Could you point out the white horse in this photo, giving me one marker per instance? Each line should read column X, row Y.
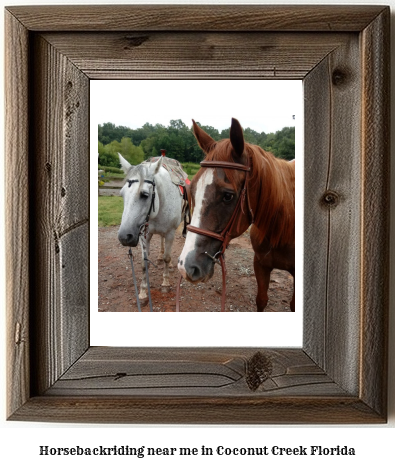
column 149, row 190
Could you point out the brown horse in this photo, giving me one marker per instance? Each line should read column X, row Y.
column 228, row 198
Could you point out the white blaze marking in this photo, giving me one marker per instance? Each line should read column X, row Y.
column 206, row 179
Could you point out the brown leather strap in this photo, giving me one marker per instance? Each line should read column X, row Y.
column 223, row 296
column 228, row 165
column 178, row 295
column 207, row 233
column 224, row 236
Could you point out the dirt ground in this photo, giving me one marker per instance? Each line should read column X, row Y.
column 117, row 293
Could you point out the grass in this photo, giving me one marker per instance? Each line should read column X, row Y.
column 114, row 176
column 191, row 169
column 110, row 210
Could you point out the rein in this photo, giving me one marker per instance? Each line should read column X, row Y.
column 225, row 235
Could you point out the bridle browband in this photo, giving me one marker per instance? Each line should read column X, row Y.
column 225, row 235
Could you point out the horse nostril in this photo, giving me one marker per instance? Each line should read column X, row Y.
column 195, row 273
column 127, row 239
column 196, row 268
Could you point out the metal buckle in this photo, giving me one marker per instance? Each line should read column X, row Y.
column 214, row 258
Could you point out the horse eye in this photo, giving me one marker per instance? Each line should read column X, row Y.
column 227, row 197
column 144, row 194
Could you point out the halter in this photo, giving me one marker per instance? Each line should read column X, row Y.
column 225, row 235
column 142, row 240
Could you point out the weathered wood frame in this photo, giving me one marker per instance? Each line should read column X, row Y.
column 340, row 374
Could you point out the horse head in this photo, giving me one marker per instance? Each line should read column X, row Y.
column 217, row 192
column 138, row 196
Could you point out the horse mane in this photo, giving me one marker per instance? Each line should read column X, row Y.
column 271, row 190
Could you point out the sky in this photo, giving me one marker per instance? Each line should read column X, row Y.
column 263, row 105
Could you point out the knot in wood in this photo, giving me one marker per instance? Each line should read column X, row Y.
column 330, row 198
column 135, row 41
column 259, row 369
column 340, row 77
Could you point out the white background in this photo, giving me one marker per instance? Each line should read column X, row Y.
column 19, row 442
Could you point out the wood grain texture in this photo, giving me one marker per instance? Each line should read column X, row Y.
column 344, row 254
column 339, row 376
column 317, row 149
column 126, row 385
column 376, row 211
column 198, row 410
column 210, row 372
column 196, row 17
column 61, row 206
column 74, row 293
column 332, row 205
column 17, row 213
column 204, row 55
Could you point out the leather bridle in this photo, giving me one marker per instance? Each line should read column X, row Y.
column 143, row 232
column 152, row 205
column 225, row 235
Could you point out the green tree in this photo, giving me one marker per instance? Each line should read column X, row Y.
column 107, row 156
column 281, row 143
column 179, row 142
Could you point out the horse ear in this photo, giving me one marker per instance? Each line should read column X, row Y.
column 204, row 140
column 155, row 166
column 125, row 165
column 236, row 137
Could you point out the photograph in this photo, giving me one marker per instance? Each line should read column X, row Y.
column 184, row 185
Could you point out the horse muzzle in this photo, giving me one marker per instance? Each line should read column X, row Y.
column 128, row 239
column 196, row 268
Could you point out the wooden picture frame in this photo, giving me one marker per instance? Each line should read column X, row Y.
column 340, row 374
